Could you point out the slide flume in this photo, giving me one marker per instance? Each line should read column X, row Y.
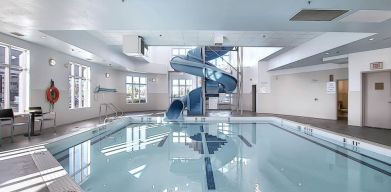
column 217, row 80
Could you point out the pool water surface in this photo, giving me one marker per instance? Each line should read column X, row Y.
column 227, row 157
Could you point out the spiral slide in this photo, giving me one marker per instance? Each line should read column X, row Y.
column 217, row 81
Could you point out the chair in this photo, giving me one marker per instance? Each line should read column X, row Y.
column 42, row 117
column 7, row 118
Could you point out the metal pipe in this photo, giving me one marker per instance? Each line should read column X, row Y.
column 203, row 84
column 241, row 78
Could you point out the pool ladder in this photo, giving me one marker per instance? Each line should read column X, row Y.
column 114, row 109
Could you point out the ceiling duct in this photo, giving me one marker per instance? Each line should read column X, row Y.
column 317, row 15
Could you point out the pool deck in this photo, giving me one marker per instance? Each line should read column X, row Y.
column 20, row 170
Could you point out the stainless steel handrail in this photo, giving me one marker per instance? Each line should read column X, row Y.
column 113, row 108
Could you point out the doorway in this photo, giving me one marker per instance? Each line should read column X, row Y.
column 342, row 99
column 377, row 99
column 254, row 98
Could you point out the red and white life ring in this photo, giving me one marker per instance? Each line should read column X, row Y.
column 52, row 94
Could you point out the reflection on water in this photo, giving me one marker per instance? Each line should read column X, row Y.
column 153, row 157
column 80, row 162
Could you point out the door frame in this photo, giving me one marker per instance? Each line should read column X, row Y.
column 363, row 91
column 336, row 97
column 254, row 98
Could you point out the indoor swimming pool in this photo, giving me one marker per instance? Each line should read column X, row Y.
column 260, row 157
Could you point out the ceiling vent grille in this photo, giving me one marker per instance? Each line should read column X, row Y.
column 17, row 34
column 317, row 15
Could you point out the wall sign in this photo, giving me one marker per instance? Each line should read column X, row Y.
column 376, row 65
column 331, row 87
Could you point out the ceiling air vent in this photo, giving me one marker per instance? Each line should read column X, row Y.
column 17, row 34
column 317, row 15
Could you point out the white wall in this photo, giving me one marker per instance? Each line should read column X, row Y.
column 358, row 64
column 157, row 93
column 41, row 73
column 293, row 92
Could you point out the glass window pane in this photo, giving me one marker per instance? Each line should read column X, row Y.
column 143, row 80
column 2, row 89
column 189, row 82
column 70, row 69
column 136, row 94
column 129, row 79
column 84, row 93
column 188, row 89
column 15, row 99
column 76, row 92
column 84, row 72
column 182, row 82
column 182, row 91
column 143, row 93
column 175, row 82
column 2, row 54
column 16, row 57
column 70, row 92
column 76, row 70
column 175, row 92
column 129, row 93
column 175, row 52
column 136, row 79
column 182, row 51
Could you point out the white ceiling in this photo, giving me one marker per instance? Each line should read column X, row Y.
column 191, row 22
column 368, row 16
column 194, row 38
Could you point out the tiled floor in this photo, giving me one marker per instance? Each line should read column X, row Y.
column 377, row 135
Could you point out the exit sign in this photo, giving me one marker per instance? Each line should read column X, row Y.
column 376, row 65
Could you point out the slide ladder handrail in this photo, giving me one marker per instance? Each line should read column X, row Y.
column 228, row 63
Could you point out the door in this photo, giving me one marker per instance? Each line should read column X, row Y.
column 342, row 99
column 377, row 100
column 254, row 98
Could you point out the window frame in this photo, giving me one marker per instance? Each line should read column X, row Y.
column 24, row 77
column 187, row 87
column 79, row 77
column 184, row 51
column 134, row 84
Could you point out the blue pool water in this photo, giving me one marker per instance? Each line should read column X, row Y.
column 225, row 157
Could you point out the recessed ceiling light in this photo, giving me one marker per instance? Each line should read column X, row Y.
column 327, row 53
column 43, row 37
column 371, row 39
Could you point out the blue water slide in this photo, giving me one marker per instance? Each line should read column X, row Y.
column 217, row 80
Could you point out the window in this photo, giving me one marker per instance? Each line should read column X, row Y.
column 80, row 161
column 79, row 86
column 180, row 88
column 180, row 51
column 136, row 89
column 14, row 63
